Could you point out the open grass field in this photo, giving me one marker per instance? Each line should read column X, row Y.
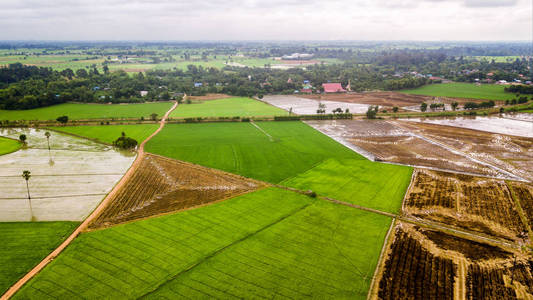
column 228, row 107
column 271, row 152
column 79, row 111
column 24, row 244
column 366, row 183
column 109, row 133
column 9, row 145
column 270, row 243
column 463, row 90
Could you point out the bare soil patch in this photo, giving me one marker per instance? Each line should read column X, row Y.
column 511, row 153
column 388, row 99
column 428, row 264
column 479, row 204
column 208, row 97
column 161, row 185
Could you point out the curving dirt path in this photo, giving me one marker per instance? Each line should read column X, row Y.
column 140, row 155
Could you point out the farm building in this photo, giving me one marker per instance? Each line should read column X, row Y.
column 333, row 88
column 143, row 93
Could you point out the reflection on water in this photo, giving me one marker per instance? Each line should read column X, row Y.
column 496, row 124
column 68, row 181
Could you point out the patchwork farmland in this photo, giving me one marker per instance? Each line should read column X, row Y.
column 270, row 209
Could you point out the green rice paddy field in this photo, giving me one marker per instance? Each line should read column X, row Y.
column 267, row 244
column 109, row 133
column 228, row 107
column 25, row 244
column 366, row 183
column 462, row 90
column 79, row 111
column 272, row 151
column 8, row 145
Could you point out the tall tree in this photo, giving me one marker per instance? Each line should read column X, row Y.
column 26, row 175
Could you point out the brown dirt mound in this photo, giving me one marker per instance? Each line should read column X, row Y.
column 208, row 97
column 162, row 185
column 470, row 249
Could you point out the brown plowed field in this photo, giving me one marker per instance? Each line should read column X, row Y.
column 208, row 97
column 480, row 204
column 389, row 99
column 162, row 185
column 412, row 272
column 524, row 194
column 511, row 153
column 428, row 264
column 414, row 151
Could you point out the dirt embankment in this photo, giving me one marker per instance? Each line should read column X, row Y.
column 208, row 97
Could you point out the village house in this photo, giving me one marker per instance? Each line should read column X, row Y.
column 333, row 88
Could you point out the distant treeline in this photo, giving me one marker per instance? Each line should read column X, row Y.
column 520, row 89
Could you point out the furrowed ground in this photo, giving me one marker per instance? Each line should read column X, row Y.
column 25, row 244
column 463, row 90
column 78, row 111
column 272, row 151
column 109, row 133
column 162, row 185
column 271, row 243
column 9, row 145
column 369, row 184
column 227, row 107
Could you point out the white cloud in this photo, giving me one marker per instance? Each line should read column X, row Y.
column 276, row 19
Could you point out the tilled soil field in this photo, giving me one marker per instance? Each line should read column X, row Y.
column 511, row 153
column 479, row 204
column 426, row 264
column 163, row 185
column 524, row 194
column 384, row 141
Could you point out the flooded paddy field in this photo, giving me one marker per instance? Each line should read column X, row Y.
column 508, row 152
column 385, row 141
column 496, row 124
column 304, row 106
column 67, row 182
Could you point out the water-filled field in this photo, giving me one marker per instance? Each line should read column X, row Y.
column 67, row 182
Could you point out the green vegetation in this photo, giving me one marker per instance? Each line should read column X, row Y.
column 77, row 111
column 24, row 244
column 229, row 107
column 9, row 145
column 272, row 151
column 366, row 183
column 109, row 133
column 266, row 244
column 463, row 90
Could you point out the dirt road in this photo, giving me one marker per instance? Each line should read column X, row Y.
column 140, row 155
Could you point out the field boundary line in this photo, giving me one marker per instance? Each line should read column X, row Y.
column 103, row 204
column 60, row 196
column 216, row 252
column 374, row 285
column 414, row 173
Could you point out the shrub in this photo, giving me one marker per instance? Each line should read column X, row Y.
column 125, row 142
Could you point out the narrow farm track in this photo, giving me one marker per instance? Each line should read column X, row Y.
column 140, row 156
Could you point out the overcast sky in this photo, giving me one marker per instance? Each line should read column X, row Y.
column 265, row 20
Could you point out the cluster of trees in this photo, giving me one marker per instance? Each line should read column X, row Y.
column 125, row 142
column 520, row 89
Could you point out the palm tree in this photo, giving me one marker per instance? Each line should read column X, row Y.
column 47, row 135
column 26, row 175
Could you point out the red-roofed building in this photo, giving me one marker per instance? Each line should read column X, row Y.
column 333, row 88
